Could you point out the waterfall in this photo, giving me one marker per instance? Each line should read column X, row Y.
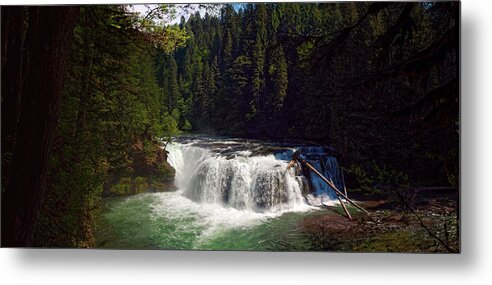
column 327, row 165
column 227, row 173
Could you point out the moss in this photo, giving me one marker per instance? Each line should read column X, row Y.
column 161, row 187
column 140, row 185
column 149, row 171
column 399, row 241
column 122, row 187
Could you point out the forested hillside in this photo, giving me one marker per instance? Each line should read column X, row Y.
column 376, row 81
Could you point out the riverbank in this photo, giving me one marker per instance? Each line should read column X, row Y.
column 391, row 226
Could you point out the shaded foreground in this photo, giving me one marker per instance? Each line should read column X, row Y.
column 391, row 226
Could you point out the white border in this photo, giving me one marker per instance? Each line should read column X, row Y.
column 472, row 266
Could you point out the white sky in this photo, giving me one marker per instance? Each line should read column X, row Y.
column 144, row 8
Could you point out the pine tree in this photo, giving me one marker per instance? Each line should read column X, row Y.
column 199, row 95
column 258, row 76
column 277, row 72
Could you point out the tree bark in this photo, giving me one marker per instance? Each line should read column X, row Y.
column 12, row 41
column 88, row 56
column 46, row 50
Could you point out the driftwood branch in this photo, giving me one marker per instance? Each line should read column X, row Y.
column 291, row 163
column 344, row 186
column 338, row 192
column 344, row 207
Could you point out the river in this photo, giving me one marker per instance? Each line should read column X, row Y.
column 233, row 194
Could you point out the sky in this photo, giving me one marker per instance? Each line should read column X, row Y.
column 144, row 8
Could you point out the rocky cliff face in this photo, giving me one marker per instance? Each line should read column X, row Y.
column 148, row 171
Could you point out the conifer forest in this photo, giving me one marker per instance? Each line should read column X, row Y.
column 330, row 126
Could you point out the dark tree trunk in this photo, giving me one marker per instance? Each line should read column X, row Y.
column 87, row 70
column 46, row 50
column 12, row 41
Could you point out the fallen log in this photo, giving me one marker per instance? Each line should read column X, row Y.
column 342, row 203
column 344, row 187
column 344, row 207
column 291, row 163
column 338, row 192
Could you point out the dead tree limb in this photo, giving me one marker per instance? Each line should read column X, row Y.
column 297, row 158
column 344, row 207
column 343, row 180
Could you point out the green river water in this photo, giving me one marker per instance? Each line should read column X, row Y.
column 171, row 221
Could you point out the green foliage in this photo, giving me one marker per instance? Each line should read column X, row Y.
column 277, row 72
column 110, row 122
column 128, row 185
column 140, row 184
column 123, row 187
column 376, row 81
column 171, row 38
column 363, row 179
column 170, row 125
column 389, row 176
column 373, row 177
column 187, row 126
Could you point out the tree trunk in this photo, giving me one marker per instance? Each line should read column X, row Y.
column 88, row 56
column 12, row 41
column 46, row 50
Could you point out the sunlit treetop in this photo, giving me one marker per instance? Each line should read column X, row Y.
column 158, row 22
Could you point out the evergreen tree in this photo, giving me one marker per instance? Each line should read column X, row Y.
column 174, row 99
column 199, row 95
column 259, row 50
column 277, row 72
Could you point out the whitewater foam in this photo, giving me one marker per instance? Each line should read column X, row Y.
column 238, row 180
column 204, row 220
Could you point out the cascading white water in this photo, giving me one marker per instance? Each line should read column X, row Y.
column 237, row 180
column 317, row 156
column 232, row 194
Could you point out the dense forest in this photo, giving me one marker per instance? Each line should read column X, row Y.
column 90, row 93
column 377, row 82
